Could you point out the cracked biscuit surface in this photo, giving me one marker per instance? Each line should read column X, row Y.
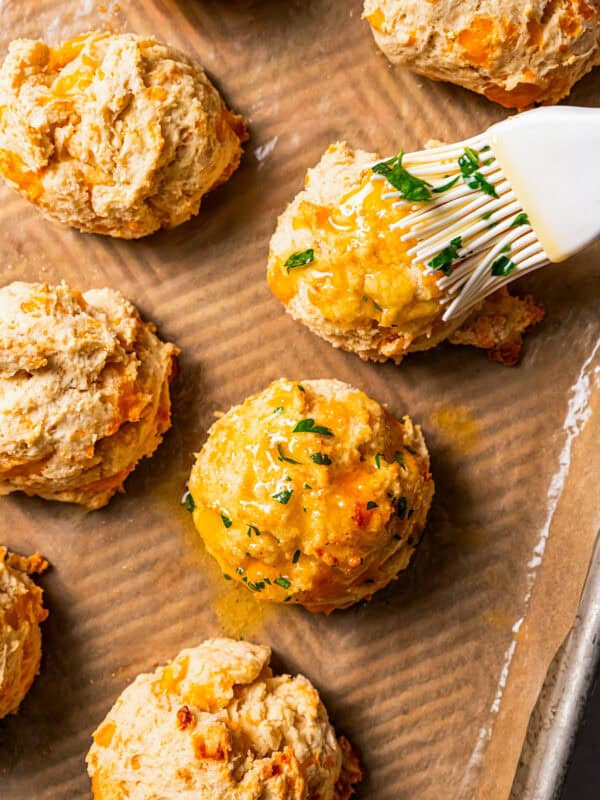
column 84, row 391
column 216, row 724
column 21, row 612
column 113, row 133
column 515, row 53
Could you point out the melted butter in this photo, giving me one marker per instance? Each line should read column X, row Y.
column 361, row 269
column 457, row 427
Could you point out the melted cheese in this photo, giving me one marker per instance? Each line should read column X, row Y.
column 361, row 270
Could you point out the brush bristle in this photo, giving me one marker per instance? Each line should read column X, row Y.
column 466, row 224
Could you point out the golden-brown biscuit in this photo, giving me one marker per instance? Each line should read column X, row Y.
column 514, row 53
column 113, row 133
column 338, row 268
column 21, row 611
column 215, row 724
column 84, row 391
column 312, row 493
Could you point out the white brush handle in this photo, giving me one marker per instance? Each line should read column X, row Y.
column 551, row 158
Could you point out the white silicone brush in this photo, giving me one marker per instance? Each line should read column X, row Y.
column 492, row 208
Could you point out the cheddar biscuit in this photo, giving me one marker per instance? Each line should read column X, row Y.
column 312, row 493
column 215, row 724
column 84, row 392
column 514, row 53
column 338, row 268
column 113, row 133
column 21, row 611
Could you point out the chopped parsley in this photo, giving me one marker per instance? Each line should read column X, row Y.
column 287, row 599
column 278, row 410
column 283, row 582
column 300, row 259
column 283, row 457
column 487, row 215
column 256, row 587
column 469, row 165
column 371, row 504
column 301, row 388
column 505, row 249
column 446, row 186
column 378, row 457
column 446, row 257
column 321, row 458
column 409, row 186
column 308, row 426
column 188, row 502
column 367, row 299
column 401, row 507
column 503, row 266
column 307, row 486
column 252, row 528
column 283, row 497
column 239, row 570
column 226, row 521
column 226, row 576
column 520, row 219
column 295, row 557
column 411, row 450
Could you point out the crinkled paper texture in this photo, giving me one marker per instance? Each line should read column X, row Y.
column 435, row 679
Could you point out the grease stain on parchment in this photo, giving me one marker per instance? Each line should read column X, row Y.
column 456, row 426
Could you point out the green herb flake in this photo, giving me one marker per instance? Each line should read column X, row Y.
column 300, row 259
column 253, row 529
column 446, row 186
column 227, row 577
column 239, row 570
column 301, row 388
column 401, row 507
column 187, row 501
column 278, row 410
column 469, row 164
column 283, row 582
column 446, row 257
column 321, row 458
column 487, row 215
column 287, row 599
column 503, row 266
column 283, row 497
column 485, row 149
column 308, row 426
column 378, row 457
column 226, row 521
column 411, row 450
column 283, row 457
column 307, row 486
column 410, row 187
column 371, row 504
column 295, row 557
column 520, row 219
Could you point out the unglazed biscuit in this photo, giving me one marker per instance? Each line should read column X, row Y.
column 113, row 133
column 312, row 493
column 84, row 391
column 21, row 611
column 215, row 724
column 360, row 290
column 515, row 53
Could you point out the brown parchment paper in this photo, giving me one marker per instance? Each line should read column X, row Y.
column 435, row 679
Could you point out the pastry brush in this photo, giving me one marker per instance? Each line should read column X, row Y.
column 492, row 208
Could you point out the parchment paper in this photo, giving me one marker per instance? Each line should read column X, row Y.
column 435, row 679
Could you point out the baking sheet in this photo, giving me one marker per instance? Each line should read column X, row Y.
column 435, row 679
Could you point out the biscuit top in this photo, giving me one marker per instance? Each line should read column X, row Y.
column 113, row 133
column 360, row 273
column 214, row 724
